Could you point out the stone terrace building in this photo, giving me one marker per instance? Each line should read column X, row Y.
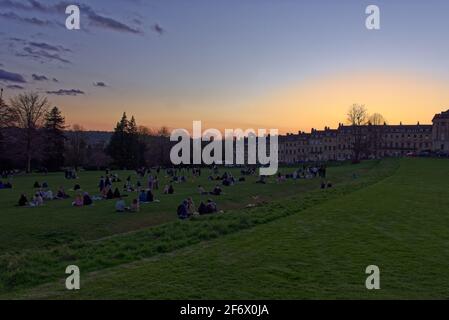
column 380, row 141
column 440, row 132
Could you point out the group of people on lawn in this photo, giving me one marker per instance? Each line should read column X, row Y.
column 187, row 208
column 42, row 194
column 145, row 195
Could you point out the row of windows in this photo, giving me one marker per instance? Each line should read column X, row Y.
column 315, row 142
column 408, row 145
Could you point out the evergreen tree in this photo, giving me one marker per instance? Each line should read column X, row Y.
column 123, row 147
column 116, row 147
column 134, row 158
column 55, row 139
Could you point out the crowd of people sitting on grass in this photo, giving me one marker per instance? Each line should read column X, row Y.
column 41, row 195
column 187, row 208
column 145, row 193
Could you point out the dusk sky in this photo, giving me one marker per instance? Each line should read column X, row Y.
column 285, row 64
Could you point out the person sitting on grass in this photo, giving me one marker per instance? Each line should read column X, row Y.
column 135, row 206
column 36, row 185
column 61, row 194
column 150, row 196
column 217, row 191
column 109, row 194
column 23, row 201
column 329, row 184
column 120, row 205
column 44, row 185
column 211, row 207
column 78, row 201
column 201, row 190
column 202, row 208
column 76, row 187
column 323, row 185
column 48, row 195
column 117, row 193
column 182, row 210
column 226, row 182
column 143, row 196
column 169, row 189
column 87, row 200
column 190, row 207
column 38, row 200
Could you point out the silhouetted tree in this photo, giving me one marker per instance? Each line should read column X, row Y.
column 29, row 110
column 76, row 147
column 376, row 119
column 7, row 116
column 376, row 137
column 124, row 147
column 55, row 139
column 357, row 117
column 7, row 120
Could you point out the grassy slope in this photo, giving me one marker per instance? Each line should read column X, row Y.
column 60, row 223
column 314, row 250
column 400, row 224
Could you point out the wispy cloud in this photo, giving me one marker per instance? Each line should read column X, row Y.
column 15, row 87
column 41, row 55
column 64, row 92
column 94, row 18
column 48, row 47
column 37, row 77
column 158, row 29
column 11, row 77
column 107, row 22
column 34, row 21
column 100, row 84
column 29, row 5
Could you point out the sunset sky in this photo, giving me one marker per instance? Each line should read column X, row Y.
column 285, row 64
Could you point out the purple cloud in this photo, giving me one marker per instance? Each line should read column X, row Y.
column 11, row 77
column 93, row 17
column 100, row 84
column 35, row 21
column 158, row 29
column 63, row 92
column 41, row 55
column 15, row 87
column 39, row 78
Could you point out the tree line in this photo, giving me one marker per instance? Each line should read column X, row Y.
column 34, row 136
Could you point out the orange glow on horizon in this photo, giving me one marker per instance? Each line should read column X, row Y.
column 314, row 103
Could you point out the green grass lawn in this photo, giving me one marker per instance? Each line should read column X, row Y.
column 301, row 242
column 60, row 223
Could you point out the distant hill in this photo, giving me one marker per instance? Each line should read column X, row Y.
column 94, row 137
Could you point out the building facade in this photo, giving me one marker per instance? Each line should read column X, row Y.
column 372, row 141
